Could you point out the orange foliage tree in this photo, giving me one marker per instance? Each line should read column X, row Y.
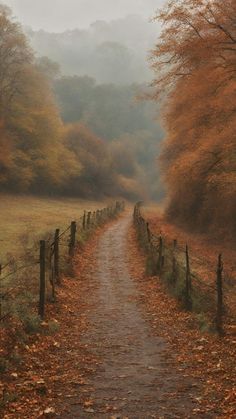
column 33, row 156
column 38, row 154
column 195, row 64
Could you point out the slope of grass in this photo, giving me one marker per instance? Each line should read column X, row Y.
column 33, row 216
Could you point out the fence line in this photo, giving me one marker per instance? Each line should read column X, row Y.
column 50, row 257
column 172, row 263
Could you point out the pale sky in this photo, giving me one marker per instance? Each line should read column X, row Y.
column 59, row 15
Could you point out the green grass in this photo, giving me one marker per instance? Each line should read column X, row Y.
column 34, row 217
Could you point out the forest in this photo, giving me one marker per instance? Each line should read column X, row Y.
column 194, row 61
column 46, row 115
column 56, row 125
column 117, row 209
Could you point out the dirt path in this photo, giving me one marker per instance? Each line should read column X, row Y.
column 136, row 378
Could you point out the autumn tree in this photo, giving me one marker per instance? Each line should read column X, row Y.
column 33, row 156
column 97, row 176
column 195, row 65
column 15, row 55
column 127, row 125
column 39, row 153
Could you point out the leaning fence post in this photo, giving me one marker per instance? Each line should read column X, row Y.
column 56, row 256
column 219, row 313
column 188, row 284
column 72, row 238
column 42, row 286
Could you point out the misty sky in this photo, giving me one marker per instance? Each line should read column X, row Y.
column 59, row 15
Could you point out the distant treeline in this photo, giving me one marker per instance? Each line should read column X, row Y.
column 68, row 135
column 110, row 52
column 195, row 62
column 127, row 125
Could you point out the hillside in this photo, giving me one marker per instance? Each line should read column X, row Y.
column 102, row 51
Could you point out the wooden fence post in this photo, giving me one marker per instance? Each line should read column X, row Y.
column 219, row 313
column 88, row 219
column 142, row 232
column 148, row 233
column 42, row 286
column 72, row 238
column 188, row 284
column 52, row 273
column 94, row 218
column 84, row 220
column 56, row 256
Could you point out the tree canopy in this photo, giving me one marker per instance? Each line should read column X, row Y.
column 31, row 128
column 56, row 133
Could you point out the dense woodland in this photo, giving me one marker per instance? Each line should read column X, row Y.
column 85, row 293
column 67, row 134
column 195, row 62
column 126, row 125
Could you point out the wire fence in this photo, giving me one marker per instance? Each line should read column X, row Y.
column 211, row 293
column 29, row 282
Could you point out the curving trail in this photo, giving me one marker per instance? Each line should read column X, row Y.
column 136, row 378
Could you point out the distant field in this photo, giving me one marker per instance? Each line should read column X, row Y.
column 153, row 208
column 20, row 215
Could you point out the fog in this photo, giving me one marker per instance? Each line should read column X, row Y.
column 107, row 51
column 90, row 37
column 94, row 54
column 60, row 15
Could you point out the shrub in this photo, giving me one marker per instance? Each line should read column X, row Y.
column 31, row 323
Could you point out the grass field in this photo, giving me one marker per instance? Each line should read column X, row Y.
column 25, row 215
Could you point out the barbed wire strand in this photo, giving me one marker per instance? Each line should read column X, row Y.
column 19, row 269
